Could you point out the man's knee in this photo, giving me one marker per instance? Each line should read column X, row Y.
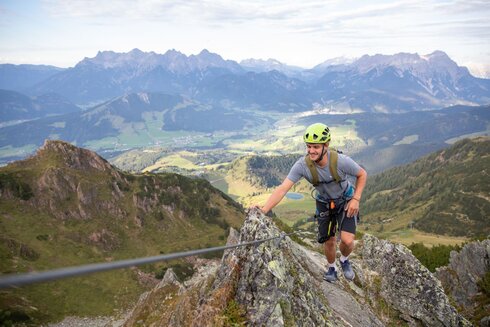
column 347, row 238
column 330, row 242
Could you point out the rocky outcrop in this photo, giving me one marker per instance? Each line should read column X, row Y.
column 75, row 157
column 279, row 283
column 163, row 296
column 406, row 285
column 460, row 278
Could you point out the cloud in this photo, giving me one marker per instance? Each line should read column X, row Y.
column 301, row 17
column 305, row 29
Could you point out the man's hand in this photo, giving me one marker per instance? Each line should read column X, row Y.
column 258, row 206
column 352, row 207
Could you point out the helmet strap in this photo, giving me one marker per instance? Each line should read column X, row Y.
column 323, row 153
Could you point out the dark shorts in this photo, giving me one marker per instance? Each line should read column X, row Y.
column 328, row 220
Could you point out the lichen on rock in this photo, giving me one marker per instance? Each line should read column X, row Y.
column 279, row 283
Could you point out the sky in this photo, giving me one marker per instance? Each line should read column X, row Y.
column 300, row 33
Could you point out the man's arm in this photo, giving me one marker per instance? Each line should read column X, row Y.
column 277, row 195
column 352, row 206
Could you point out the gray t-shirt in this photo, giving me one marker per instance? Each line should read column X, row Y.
column 328, row 188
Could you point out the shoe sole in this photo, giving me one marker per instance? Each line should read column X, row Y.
column 330, row 281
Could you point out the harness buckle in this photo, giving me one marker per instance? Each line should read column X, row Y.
column 324, row 214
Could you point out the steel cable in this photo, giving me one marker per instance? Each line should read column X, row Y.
column 16, row 280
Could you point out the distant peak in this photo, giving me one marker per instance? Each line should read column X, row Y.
column 206, row 54
column 56, row 145
column 269, row 61
column 173, row 52
column 71, row 156
column 136, row 50
column 436, row 55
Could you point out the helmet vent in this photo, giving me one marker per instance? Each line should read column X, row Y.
column 317, row 133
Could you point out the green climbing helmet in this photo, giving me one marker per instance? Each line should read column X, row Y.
column 317, row 133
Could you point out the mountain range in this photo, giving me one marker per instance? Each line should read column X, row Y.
column 142, row 119
column 378, row 83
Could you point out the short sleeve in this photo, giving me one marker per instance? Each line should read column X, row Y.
column 296, row 171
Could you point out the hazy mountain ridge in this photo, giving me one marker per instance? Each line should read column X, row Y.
column 16, row 106
column 112, row 74
column 444, row 193
column 139, row 112
column 133, row 113
column 260, row 66
column 400, row 82
column 67, row 206
column 20, row 77
column 99, row 122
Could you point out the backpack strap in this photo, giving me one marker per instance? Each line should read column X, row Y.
column 314, row 173
column 332, row 166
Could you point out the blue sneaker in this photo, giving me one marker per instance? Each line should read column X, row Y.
column 330, row 275
column 347, row 269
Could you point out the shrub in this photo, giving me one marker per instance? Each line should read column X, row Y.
column 434, row 257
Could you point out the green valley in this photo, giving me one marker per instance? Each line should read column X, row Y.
column 439, row 199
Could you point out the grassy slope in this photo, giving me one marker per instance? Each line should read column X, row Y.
column 32, row 239
column 445, row 193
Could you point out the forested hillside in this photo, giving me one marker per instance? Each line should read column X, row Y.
column 447, row 192
column 270, row 171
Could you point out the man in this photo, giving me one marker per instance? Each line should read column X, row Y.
column 337, row 202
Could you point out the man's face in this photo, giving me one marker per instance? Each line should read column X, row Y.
column 314, row 150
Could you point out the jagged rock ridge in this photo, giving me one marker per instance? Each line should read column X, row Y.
column 460, row 278
column 279, row 283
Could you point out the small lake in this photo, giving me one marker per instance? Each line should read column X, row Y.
column 294, row 196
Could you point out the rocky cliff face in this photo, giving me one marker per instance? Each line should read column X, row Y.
column 279, row 283
column 405, row 286
column 461, row 277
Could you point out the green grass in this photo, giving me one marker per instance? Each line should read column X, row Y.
column 217, row 180
column 290, row 211
column 59, row 246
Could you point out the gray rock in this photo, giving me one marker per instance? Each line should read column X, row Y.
column 279, row 283
column 406, row 285
column 465, row 269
